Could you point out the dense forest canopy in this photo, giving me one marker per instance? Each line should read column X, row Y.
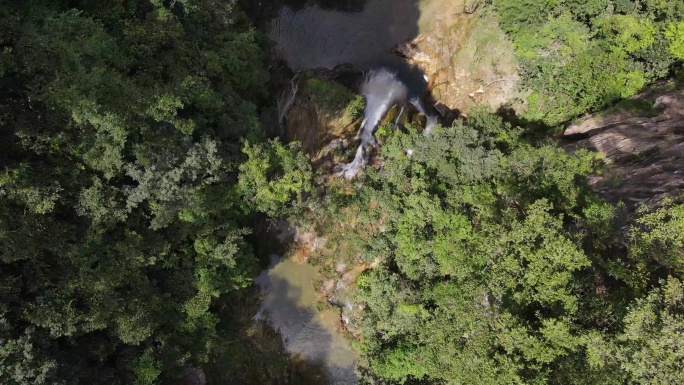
column 123, row 218
column 579, row 55
column 500, row 266
column 136, row 151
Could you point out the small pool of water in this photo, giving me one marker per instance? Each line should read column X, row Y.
column 290, row 306
column 315, row 37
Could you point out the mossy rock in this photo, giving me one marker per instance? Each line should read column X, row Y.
column 328, row 95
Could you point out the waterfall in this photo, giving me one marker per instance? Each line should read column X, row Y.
column 396, row 121
column 382, row 90
column 431, row 119
column 349, row 170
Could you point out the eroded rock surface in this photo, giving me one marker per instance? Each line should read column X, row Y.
column 645, row 153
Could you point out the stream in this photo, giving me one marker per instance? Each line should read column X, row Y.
column 311, row 38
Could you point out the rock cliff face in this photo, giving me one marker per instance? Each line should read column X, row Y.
column 643, row 144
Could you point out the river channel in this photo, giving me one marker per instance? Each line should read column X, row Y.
column 314, row 37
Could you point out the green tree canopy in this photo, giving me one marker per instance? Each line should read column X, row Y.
column 123, row 220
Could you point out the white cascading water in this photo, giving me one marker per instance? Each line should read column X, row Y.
column 431, row 120
column 381, row 90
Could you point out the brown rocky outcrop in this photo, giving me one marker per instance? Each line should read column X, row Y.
column 318, row 115
column 644, row 148
column 466, row 57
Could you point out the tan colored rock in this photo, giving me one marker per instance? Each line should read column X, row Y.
column 622, row 143
column 463, row 54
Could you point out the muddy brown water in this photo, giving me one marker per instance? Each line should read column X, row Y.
column 290, row 306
